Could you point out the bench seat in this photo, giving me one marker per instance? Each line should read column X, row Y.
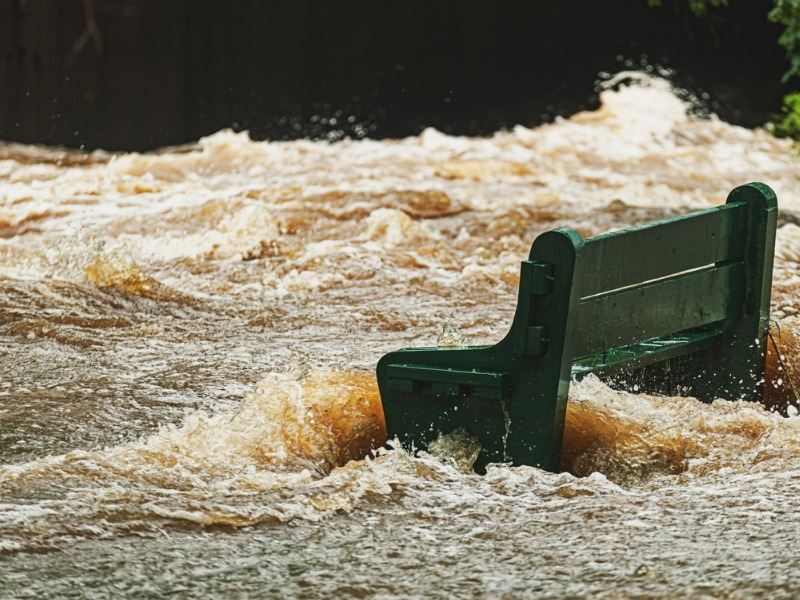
column 678, row 306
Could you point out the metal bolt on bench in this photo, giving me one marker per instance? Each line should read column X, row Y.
column 678, row 306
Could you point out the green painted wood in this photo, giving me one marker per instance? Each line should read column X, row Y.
column 672, row 305
column 741, row 371
column 525, row 424
column 642, row 354
column 539, row 397
column 659, row 249
column 464, row 376
column 614, row 304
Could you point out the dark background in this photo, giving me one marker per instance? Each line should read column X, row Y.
column 149, row 73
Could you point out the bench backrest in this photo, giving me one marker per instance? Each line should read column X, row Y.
column 679, row 305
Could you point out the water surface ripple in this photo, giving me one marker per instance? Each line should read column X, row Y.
column 187, row 398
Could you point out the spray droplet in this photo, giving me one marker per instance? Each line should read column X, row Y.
column 451, row 336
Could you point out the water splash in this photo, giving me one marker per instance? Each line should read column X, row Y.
column 349, row 250
column 267, row 459
column 459, row 447
column 633, row 438
column 451, row 337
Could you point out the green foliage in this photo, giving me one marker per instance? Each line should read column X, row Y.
column 698, row 7
column 790, row 125
column 787, row 13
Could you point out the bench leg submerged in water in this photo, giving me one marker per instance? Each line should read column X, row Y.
column 679, row 306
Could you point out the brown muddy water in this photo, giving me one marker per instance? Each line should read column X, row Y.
column 187, row 394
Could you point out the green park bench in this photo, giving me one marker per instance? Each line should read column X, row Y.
column 677, row 307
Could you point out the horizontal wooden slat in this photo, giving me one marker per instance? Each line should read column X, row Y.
column 441, row 375
column 642, row 312
column 663, row 248
column 645, row 353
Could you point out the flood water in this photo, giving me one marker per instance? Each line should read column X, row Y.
column 187, row 390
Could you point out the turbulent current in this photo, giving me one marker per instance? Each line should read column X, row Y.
column 188, row 403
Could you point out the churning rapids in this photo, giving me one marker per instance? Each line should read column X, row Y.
column 187, row 397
